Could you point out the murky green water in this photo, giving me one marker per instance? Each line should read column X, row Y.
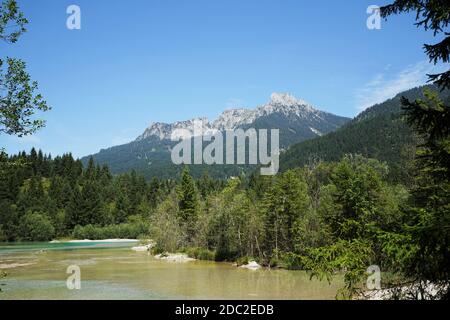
column 114, row 271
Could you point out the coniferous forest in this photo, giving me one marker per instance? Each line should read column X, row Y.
column 329, row 216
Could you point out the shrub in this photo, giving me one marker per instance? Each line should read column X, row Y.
column 200, row 253
column 36, row 227
column 290, row 260
column 3, row 237
column 165, row 229
column 120, row 231
column 223, row 254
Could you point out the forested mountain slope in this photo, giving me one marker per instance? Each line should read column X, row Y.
column 378, row 132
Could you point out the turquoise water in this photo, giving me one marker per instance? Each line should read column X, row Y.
column 36, row 246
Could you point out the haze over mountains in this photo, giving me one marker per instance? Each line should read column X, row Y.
column 149, row 154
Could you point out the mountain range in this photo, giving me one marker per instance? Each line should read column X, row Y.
column 149, row 154
column 306, row 135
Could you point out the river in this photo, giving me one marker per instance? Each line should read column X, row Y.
column 114, row 271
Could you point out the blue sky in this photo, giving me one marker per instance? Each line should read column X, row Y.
column 138, row 61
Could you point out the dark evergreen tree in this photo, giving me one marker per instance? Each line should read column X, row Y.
column 123, row 208
column 188, row 197
column 154, row 192
column 90, row 172
column 188, row 202
column 431, row 15
column 32, row 196
column 205, row 185
column 284, row 204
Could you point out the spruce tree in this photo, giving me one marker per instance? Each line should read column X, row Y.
column 284, row 204
column 91, row 207
column 154, row 192
column 431, row 15
column 188, row 202
column 90, row 172
column 73, row 214
column 188, row 197
column 123, row 208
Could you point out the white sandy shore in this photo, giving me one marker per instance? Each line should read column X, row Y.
column 14, row 265
column 146, row 247
column 88, row 240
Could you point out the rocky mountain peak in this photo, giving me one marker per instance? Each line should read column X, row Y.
column 282, row 103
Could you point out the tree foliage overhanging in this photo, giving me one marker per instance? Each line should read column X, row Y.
column 19, row 101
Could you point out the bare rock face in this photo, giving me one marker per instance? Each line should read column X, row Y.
column 280, row 103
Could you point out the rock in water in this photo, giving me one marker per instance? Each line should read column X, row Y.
column 252, row 265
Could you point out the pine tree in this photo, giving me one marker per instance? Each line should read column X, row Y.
column 432, row 15
column 90, row 171
column 60, row 191
column 123, row 208
column 188, row 202
column 188, row 197
column 205, row 185
column 8, row 190
column 423, row 247
column 92, row 204
column 73, row 214
column 154, row 192
column 86, row 206
column 33, row 196
column 358, row 190
column 284, row 204
column 40, row 162
column 105, row 174
column 33, row 159
column 136, row 190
